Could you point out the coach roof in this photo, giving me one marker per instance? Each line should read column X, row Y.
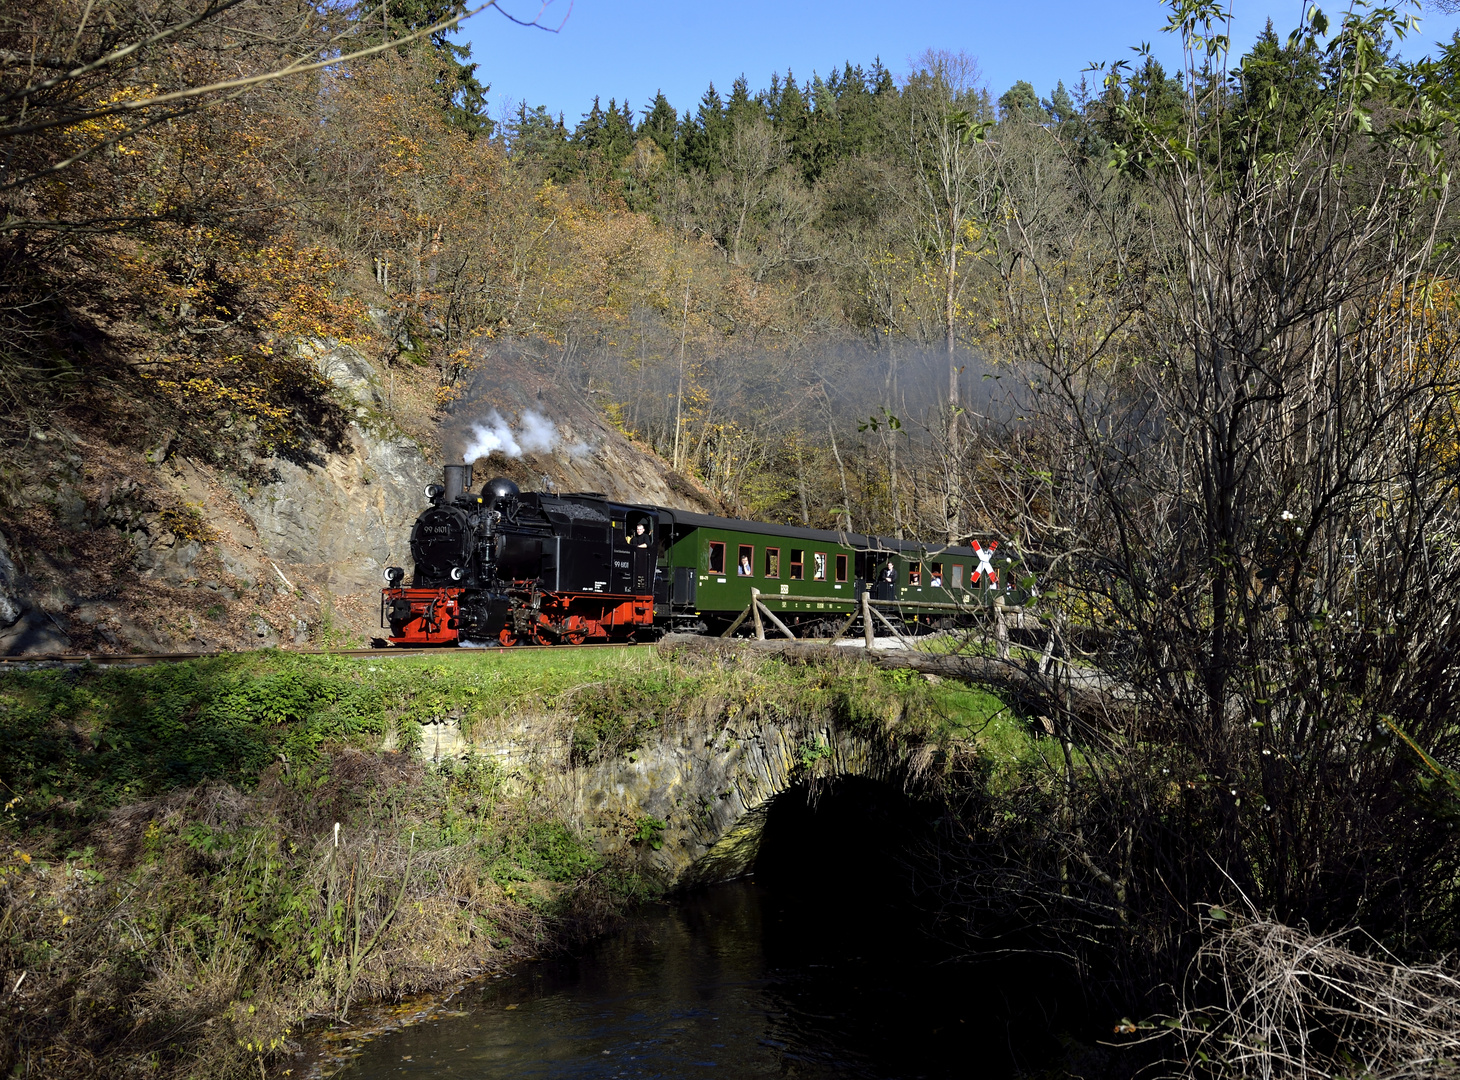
column 686, row 519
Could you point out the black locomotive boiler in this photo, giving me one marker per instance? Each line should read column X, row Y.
column 512, row 566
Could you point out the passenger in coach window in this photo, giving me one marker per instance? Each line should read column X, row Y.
column 745, row 566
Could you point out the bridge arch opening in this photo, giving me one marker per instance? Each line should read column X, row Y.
column 843, row 876
column 849, row 831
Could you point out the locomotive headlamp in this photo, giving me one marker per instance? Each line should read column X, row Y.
column 434, row 491
column 394, row 575
column 456, row 573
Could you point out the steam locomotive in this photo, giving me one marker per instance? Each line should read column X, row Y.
column 509, row 567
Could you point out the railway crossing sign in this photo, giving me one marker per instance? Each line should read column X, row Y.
column 986, row 563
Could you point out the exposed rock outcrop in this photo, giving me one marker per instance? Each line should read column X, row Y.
column 154, row 548
column 25, row 627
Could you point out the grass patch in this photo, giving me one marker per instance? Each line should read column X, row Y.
column 201, row 855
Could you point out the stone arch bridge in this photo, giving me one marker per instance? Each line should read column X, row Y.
column 693, row 802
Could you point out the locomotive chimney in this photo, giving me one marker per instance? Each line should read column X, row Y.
column 458, row 479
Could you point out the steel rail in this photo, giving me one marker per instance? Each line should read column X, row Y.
column 389, row 652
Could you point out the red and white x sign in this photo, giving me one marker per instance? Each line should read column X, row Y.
column 986, row 563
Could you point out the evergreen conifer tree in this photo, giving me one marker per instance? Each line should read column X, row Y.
column 661, row 126
column 1281, row 88
column 705, row 136
column 464, row 95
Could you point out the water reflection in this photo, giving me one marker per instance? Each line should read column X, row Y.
column 809, row 972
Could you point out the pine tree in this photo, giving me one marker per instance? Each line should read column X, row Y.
column 857, row 113
column 661, row 125
column 536, row 135
column 1020, row 102
column 616, row 137
column 741, row 106
column 791, row 117
column 464, row 95
column 1060, row 106
column 1281, row 88
column 705, row 136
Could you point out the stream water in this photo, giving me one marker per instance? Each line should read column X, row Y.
column 810, row 969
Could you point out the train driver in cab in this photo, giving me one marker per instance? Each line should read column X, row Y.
column 640, row 537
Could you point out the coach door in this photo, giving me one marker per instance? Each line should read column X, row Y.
column 872, row 568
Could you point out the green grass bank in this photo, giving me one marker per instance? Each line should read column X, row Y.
column 201, row 862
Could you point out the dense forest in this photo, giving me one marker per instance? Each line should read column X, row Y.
column 1187, row 339
column 795, row 294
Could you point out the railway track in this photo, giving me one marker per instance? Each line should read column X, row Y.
column 143, row 659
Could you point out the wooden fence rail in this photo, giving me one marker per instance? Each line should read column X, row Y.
column 862, row 605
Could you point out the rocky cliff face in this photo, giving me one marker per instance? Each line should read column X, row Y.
column 115, row 551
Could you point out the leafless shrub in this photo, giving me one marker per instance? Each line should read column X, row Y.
column 1293, row 1004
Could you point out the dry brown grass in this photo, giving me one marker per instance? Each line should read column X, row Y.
column 207, row 931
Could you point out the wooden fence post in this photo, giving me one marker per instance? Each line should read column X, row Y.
column 869, row 629
column 771, row 615
column 755, row 613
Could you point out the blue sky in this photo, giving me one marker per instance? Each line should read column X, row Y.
column 630, row 48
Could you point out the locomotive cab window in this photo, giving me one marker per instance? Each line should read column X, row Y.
column 915, row 573
column 958, row 575
column 639, row 531
column 717, row 557
column 773, row 562
column 798, row 558
column 841, row 568
column 745, row 561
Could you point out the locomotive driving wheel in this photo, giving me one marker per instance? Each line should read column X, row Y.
column 575, row 630
column 508, row 637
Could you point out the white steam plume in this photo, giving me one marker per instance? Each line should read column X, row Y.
column 490, row 435
column 535, row 434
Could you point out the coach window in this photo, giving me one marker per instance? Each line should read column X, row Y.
column 773, row 562
column 915, row 573
column 797, row 558
column 841, row 568
column 958, row 575
column 937, row 581
column 745, row 561
column 717, row 557
column 819, row 566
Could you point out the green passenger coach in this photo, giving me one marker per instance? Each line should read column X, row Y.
column 813, row 578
